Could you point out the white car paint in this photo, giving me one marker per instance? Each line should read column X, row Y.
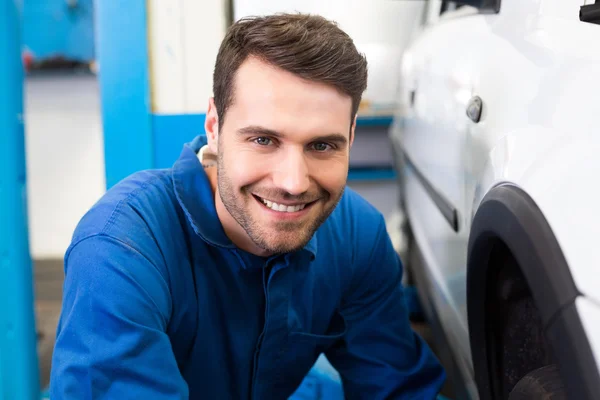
column 535, row 66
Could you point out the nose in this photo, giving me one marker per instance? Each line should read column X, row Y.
column 291, row 174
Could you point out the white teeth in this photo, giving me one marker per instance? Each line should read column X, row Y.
column 282, row 207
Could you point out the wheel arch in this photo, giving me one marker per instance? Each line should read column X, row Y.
column 510, row 216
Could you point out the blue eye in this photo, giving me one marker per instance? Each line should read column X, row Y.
column 263, row 141
column 321, row 147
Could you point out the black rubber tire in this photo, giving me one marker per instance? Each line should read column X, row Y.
column 541, row 384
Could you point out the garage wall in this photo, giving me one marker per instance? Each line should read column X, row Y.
column 184, row 38
column 65, row 158
column 183, row 41
column 63, row 131
column 380, row 29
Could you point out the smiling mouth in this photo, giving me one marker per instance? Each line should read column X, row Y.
column 282, row 207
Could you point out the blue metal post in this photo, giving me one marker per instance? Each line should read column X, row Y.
column 18, row 342
column 124, row 77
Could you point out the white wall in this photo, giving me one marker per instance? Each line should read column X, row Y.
column 65, row 158
column 373, row 21
column 379, row 28
column 184, row 38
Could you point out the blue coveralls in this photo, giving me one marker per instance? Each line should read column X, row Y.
column 159, row 304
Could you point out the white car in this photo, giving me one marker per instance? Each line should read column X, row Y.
column 497, row 140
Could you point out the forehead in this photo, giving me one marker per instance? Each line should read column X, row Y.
column 274, row 98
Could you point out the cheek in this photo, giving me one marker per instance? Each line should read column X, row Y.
column 244, row 167
column 331, row 175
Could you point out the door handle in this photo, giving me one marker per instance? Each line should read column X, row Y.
column 474, row 108
column 590, row 13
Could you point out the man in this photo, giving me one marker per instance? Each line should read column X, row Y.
column 226, row 276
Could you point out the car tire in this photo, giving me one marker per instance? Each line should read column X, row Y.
column 541, row 384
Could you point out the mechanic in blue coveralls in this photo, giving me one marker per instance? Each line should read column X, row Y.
column 227, row 275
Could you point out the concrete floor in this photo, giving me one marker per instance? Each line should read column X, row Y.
column 48, row 275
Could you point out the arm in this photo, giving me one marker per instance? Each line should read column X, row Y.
column 111, row 340
column 381, row 357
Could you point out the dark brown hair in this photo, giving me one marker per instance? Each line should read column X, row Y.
column 308, row 46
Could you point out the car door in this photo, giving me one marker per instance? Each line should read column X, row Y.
column 440, row 71
column 534, row 53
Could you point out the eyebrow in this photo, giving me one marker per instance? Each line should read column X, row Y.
column 337, row 138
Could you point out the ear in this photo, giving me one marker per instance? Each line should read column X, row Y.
column 353, row 131
column 211, row 126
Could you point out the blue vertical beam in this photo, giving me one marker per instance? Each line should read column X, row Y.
column 18, row 342
column 122, row 52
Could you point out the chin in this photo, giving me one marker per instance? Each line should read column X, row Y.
column 280, row 245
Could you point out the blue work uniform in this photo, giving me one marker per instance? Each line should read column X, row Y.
column 158, row 303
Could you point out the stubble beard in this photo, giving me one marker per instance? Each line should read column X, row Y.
column 285, row 236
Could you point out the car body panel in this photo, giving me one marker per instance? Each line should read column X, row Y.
column 532, row 64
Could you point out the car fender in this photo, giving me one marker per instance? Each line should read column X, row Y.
column 508, row 217
column 563, row 181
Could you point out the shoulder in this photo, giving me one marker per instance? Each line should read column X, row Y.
column 355, row 219
column 354, row 231
column 355, row 236
column 132, row 210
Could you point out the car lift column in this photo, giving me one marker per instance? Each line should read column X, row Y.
column 18, row 339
